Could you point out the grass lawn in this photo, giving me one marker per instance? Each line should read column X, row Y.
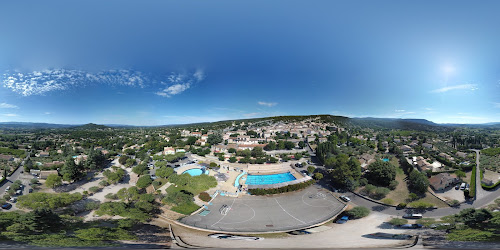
column 185, row 208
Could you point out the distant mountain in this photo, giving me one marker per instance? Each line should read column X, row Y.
column 394, row 123
column 31, row 125
column 90, row 126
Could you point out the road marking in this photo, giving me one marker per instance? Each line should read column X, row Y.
column 230, row 207
column 288, row 212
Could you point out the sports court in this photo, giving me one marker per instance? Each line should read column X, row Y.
column 282, row 212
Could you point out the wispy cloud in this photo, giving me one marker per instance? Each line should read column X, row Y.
column 496, row 105
column 267, row 104
column 399, row 110
column 4, row 105
column 179, row 83
column 41, row 82
column 254, row 114
column 47, row 113
column 456, row 87
column 10, row 115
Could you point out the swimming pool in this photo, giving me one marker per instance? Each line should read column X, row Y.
column 269, row 179
column 193, row 172
column 385, row 159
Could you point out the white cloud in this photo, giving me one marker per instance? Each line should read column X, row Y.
column 496, row 105
column 4, row 105
column 456, row 87
column 10, row 115
column 429, row 109
column 41, row 82
column 268, row 104
column 399, row 110
column 47, row 113
column 180, row 83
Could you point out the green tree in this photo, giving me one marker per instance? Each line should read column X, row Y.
column 123, row 159
column 53, row 180
column 418, row 182
column 164, row 172
column 318, row 176
column 310, row 169
column 232, row 159
column 144, row 181
column 72, row 171
column 141, row 169
column 381, row 173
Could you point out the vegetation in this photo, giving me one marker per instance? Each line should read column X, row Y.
column 289, row 188
column 46, row 200
column 204, row 196
column 472, row 186
column 53, row 180
column 478, row 225
column 398, row 221
column 418, row 182
column 358, row 212
column 381, row 173
column 345, row 171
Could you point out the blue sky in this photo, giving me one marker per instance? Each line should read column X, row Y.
column 169, row 62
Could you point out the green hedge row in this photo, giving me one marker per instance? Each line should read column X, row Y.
column 472, row 190
column 289, row 188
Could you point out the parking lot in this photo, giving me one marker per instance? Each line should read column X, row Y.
column 282, row 212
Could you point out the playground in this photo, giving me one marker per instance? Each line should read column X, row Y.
column 284, row 212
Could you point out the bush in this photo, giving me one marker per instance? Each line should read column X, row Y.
column 92, row 205
column 388, row 201
column 103, row 183
column 454, row 203
column 204, row 196
column 398, row 221
column 358, row 212
column 402, row 205
column 47, row 200
column 380, row 193
column 111, row 196
column 420, row 205
column 413, row 197
column 368, row 189
column 318, row 176
column 393, row 184
column 363, row 182
column 472, row 190
column 94, row 189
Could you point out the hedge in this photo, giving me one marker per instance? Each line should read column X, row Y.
column 289, row 188
column 472, row 191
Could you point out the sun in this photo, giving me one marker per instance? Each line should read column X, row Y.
column 448, row 69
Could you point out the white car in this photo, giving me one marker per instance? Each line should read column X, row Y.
column 13, row 199
column 234, row 237
column 345, row 198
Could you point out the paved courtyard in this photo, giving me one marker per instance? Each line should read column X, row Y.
column 269, row 213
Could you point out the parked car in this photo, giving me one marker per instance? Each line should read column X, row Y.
column 234, row 237
column 6, row 206
column 412, row 216
column 13, row 199
column 19, row 192
column 343, row 220
column 30, row 190
column 411, row 226
column 7, row 189
column 462, row 187
column 457, row 186
column 345, row 198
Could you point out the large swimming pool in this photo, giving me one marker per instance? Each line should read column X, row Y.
column 269, row 179
column 193, row 172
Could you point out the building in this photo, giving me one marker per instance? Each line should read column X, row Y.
column 168, row 151
column 45, row 173
column 442, row 181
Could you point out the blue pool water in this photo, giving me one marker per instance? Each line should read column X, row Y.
column 193, row 172
column 385, row 159
column 269, row 179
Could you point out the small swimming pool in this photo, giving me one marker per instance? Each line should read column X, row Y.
column 385, row 159
column 269, row 179
column 193, row 172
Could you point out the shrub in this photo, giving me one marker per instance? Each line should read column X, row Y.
column 454, row 202
column 94, row 189
column 472, row 191
column 388, row 201
column 47, row 200
column 393, row 184
column 204, row 196
column 380, row 193
column 358, row 212
column 92, row 205
column 412, row 197
column 398, row 221
column 318, row 176
column 103, row 183
column 420, row 204
column 402, row 205
column 368, row 189
column 111, row 196
column 363, row 182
